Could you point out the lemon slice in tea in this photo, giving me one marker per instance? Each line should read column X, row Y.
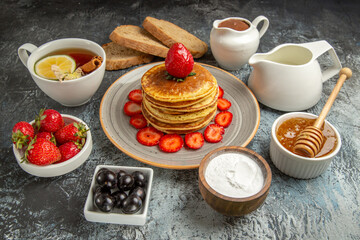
column 65, row 63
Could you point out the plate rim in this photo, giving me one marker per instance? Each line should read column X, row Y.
column 178, row 167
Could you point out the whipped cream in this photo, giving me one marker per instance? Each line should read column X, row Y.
column 234, row 175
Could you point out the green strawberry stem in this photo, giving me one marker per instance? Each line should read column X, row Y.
column 38, row 119
column 19, row 139
column 25, row 157
column 170, row 77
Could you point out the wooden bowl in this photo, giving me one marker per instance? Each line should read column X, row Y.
column 228, row 205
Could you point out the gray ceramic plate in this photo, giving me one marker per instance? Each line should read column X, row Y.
column 245, row 110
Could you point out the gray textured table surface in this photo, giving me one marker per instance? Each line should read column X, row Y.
column 52, row 208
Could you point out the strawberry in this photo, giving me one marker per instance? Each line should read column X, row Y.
column 149, row 136
column 47, row 135
column 223, row 119
column 179, row 62
column 221, row 92
column 75, row 132
column 22, row 133
column 69, row 150
column 194, row 140
column 223, row 104
column 171, row 143
column 138, row 121
column 132, row 108
column 49, row 120
column 42, row 152
column 213, row 133
column 135, row 95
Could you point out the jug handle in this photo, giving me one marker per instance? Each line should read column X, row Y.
column 265, row 25
column 22, row 52
column 320, row 47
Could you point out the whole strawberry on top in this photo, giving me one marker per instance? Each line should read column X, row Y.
column 75, row 132
column 42, row 152
column 22, row 133
column 49, row 120
column 179, row 62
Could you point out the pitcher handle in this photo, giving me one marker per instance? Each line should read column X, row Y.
column 265, row 25
column 320, row 47
column 22, row 52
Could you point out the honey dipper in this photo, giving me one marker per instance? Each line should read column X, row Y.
column 310, row 140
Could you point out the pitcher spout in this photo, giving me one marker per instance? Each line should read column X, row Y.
column 257, row 58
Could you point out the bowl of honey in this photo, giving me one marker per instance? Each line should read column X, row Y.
column 68, row 70
column 284, row 132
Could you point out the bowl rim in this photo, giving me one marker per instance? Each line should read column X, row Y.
column 63, row 164
column 45, row 45
column 283, row 149
column 242, row 150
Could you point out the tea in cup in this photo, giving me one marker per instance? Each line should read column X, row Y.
column 69, row 84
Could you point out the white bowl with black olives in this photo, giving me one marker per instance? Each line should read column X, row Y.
column 119, row 195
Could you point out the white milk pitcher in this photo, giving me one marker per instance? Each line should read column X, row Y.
column 231, row 46
column 289, row 77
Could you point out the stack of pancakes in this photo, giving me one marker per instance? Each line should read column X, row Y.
column 179, row 107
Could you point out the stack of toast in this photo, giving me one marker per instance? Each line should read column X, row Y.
column 132, row 45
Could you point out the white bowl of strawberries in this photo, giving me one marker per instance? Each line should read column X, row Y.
column 51, row 145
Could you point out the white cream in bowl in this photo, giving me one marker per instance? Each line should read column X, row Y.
column 234, row 175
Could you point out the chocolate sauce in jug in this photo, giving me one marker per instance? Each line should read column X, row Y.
column 235, row 24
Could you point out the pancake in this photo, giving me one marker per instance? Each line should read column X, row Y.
column 203, row 103
column 181, row 104
column 178, row 118
column 179, row 128
column 155, row 85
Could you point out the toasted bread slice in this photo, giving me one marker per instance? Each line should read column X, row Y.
column 169, row 33
column 139, row 39
column 120, row 57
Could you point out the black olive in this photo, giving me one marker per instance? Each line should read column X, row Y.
column 132, row 204
column 138, row 191
column 106, row 178
column 139, row 178
column 119, row 198
column 120, row 174
column 101, row 176
column 126, row 182
column 104, row 202
column 101, row 189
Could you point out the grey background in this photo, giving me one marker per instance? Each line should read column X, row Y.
column 52, row 208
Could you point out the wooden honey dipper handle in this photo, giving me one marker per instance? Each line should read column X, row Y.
column 310, row 140
column 345, row 73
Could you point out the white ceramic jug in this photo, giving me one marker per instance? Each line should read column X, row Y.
column 231, row 48
column 289, row 77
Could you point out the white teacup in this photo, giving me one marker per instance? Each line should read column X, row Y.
column 69, row 93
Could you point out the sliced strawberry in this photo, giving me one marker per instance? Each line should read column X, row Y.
column 221, row 92
column 223, row 118
column 149, row 136
column 223, row 104
column 132, row 108
column 171, row 143
column 194, row 140
column 135, row 95
column 213, row 133
column 138, row 121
